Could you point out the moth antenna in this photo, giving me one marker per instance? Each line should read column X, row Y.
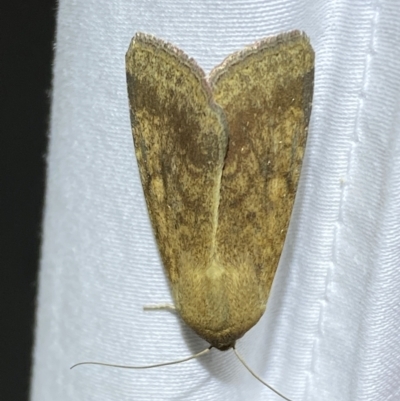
column 147, row 366
column 257, row 377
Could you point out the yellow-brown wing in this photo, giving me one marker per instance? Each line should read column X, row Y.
column 266, row 93
column 180, row 142
column 220, row 232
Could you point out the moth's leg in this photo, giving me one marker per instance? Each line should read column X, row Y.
column 169, row 307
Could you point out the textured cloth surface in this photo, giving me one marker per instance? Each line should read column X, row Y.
column 331, row 327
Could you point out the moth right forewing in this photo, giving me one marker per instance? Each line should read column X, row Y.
column 266, row 92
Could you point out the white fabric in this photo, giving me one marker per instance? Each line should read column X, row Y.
column 331, row 329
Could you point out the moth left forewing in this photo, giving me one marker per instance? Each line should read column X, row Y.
column 180, row 142
column 265, row 92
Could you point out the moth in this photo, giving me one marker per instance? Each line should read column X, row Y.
column 219, row 160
